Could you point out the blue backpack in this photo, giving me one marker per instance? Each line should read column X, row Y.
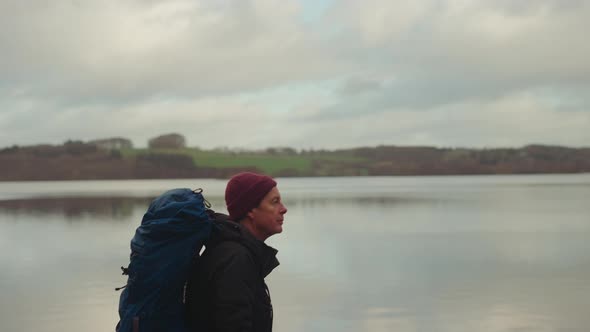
column 171, row 234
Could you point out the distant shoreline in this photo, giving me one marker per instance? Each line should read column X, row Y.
column 88, row 161
column 305, row 177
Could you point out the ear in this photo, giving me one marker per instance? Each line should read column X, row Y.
column 250, row 214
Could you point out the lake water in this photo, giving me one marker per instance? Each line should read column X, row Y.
column 467, row 253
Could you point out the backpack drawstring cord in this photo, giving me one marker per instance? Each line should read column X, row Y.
column 125, row 272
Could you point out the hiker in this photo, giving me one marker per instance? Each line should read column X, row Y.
column 226, row 289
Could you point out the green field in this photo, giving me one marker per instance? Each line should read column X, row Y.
column 267, row 163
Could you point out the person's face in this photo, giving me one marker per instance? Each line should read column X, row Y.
column 267, row 217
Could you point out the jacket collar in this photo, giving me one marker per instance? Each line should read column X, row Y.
column 229, row 230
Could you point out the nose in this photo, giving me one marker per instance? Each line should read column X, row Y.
column 283, row 209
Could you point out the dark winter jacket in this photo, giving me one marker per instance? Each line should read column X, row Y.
column 226, row 290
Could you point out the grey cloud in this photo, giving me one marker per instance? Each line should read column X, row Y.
column 484, row 44
column 355, row 86
column 132, row 68
column 120, row 52
column 85, row 52
column 527, row 7
column 444, row 62
column 416, row 93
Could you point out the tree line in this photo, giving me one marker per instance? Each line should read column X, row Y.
column 168, row 156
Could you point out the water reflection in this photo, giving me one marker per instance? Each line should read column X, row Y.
column 419, row 256
column 73, row 208
column 120, row 208
column 437, row 282
column 365, row 201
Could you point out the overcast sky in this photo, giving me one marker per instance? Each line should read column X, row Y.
column 306, row 73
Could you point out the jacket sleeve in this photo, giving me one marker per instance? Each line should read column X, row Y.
column 234, row 282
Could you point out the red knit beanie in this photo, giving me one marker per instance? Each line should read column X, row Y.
column 244, row 192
